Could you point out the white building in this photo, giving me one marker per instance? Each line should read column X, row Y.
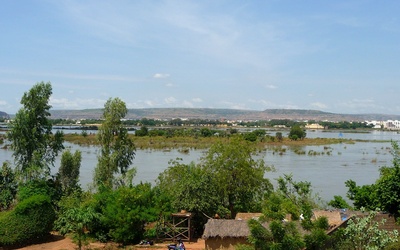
column 389, row 124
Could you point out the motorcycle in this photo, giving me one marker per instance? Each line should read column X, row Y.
column 179, row 246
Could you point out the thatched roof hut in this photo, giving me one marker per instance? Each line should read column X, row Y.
column 225, row 234
column 333, row 216
column 248, row 216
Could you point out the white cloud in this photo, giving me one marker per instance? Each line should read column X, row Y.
column 187, row 104
column 197, row 100
column 149, row 103
column 270, row 86
column 65, row 103
column 160, row 75
column 170, row 100
column 3, row 103
column 170, row 85
column 318, row 105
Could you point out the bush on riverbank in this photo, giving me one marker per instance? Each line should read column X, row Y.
column 32, row 218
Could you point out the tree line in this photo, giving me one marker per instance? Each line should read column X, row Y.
column 178, row 122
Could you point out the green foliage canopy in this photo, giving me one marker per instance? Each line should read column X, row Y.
column 32, row 218
column 239, row 177
column 8, row 186
column 35, row 147
column 68, row 173
column 384, row 194
column 297, row 133
column 124, row 212
column 117, row 149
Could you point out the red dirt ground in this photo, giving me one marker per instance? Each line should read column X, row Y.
column 57, row 242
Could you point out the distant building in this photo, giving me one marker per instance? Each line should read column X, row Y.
column 389, row 124
column 314, row 126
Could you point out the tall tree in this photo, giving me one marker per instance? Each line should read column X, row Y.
column 34, row 145
column 117, row 149
column 68, row 173
column 239, row 177
column 189, row 187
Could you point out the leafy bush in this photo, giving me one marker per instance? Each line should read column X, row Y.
column 296, row 132
column 316, row 240
column 48, row 188
column 8, row 186
column 124, row 213
column 31, row 219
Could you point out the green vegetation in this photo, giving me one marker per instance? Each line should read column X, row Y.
column 31, row 218
column 229, row 178
column 8, row 186
column 35, row 147
column 384, row 194
column 117, row 149
column 68, row 173
column 76, row 221
column 297, row 133
column 364, row 233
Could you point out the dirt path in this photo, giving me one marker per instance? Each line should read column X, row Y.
column 57, row 242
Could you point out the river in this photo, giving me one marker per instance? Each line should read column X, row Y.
column 326, row 167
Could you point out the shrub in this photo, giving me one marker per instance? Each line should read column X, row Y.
column 48, row 188
column 31, row 219
column 124, row 212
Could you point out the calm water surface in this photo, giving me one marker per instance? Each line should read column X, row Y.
column 327, row 170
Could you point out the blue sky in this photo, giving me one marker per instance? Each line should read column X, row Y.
column 336, row 56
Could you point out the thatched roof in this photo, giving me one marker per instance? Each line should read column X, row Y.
column 226, row 228
column 333, row 216
column 248, row 216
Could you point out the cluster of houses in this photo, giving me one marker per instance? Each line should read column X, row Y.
column 388, row 125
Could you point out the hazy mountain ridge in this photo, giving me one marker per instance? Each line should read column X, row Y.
column 4, row 115
column 223, row 114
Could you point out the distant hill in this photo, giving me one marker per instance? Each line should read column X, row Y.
column 4, row 115
column 223, row 114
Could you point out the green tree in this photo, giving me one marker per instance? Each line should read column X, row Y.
column 318, row 238
column 31, row 219
column 362, row 196
column 190, row 187
column 279, row 236
column 239, row 178
column 143, row 131
column 298, row 194
column 364, row 233
column 8, row 186
column 296, row 132
column 35, row 147
column 68, row 173
column 117, row 149
column 206, row 132
column 77, row 222
column 338, row 202
column 388, row 185
column 384, row 194
column 124, row 212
